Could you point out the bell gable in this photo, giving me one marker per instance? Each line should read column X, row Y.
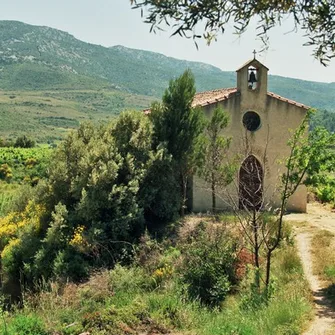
column 252, row 78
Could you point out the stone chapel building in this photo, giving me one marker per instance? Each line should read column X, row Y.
column 260, row 126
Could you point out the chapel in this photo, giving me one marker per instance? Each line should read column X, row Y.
column 261, row 123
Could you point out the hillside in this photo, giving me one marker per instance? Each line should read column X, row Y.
column 48, row 115
column 42, row 57
column 51, row 81
column 45, row 51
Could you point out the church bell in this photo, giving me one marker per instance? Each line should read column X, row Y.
column 252, row 78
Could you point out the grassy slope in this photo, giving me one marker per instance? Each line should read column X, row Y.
column 50, row 114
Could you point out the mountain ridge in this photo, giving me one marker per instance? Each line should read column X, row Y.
column 118, row 67
column 120, row 47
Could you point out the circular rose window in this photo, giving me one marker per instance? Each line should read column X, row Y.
column 251, row 121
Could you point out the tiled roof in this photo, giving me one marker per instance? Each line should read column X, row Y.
column 292, row 102
column 210, row 97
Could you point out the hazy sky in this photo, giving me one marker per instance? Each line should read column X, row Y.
column 112, row 22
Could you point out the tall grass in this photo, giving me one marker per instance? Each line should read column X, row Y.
column 286, row 312
column 127, row 300
column 323, row 251
column 323, row 247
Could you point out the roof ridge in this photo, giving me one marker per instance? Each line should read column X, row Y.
column 208, row 97
column 293, row 102
column 217, row 90
column 205, row 98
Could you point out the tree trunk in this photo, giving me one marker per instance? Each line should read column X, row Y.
column 213, row 195
column 184, row 194
column 256, row 247
column 268, row 268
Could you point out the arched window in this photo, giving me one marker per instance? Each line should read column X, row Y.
column 251, row 184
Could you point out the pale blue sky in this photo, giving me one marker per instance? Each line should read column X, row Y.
column 112, row 22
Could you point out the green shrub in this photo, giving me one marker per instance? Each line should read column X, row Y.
column 27, row 325
column 330, row 271
column 16, row 258
column 209, row 265
column 5, row 172
column 326, row 193
column 71, row 265
column 24, row 142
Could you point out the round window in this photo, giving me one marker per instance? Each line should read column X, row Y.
column 251, row 121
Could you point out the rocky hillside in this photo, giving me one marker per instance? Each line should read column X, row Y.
column 42, row 56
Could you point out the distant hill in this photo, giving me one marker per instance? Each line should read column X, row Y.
column 38, row 59
column 43, row 57
column 57, row 58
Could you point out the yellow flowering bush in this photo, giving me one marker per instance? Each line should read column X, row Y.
column 162, row 273
column 19, row 240
column 6, row 252
column 78, row 240
column 11, row 224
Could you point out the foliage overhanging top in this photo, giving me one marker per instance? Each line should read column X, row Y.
column 315, row 17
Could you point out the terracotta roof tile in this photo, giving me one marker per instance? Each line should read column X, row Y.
column 210, row 97
column 292, row 102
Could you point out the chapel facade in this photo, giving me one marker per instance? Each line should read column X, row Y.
column 261, row 123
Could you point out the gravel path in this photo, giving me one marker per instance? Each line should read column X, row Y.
column 317, row 218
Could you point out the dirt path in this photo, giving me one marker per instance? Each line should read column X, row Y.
column 317, row 218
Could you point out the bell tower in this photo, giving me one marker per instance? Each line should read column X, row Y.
column 252, row 78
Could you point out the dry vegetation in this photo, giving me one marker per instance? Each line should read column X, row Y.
column 323, row 251
column 150, row 296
